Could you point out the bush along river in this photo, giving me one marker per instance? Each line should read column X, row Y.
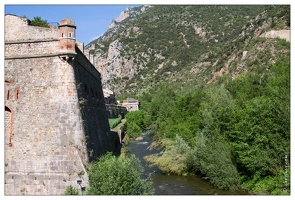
column 172, row 184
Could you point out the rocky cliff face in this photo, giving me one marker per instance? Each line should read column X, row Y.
column 108, row 61
column 124, row 17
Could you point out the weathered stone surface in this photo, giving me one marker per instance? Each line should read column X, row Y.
column 54, row 113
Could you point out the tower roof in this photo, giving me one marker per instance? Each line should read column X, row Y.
column 67, row 22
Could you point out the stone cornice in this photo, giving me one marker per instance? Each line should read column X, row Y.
column 31, row 41
column 31, row 56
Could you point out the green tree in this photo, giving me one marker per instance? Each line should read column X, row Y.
column 212, row 158
column 138, row 117
column 37, row 21
column 259, row 137
column 133, row 130
column 135, row 123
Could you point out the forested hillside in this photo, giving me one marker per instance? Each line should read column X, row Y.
column 214, row 88
column 173, row 43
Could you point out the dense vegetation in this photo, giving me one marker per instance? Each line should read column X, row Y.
column 113, row 175
column 236, row 133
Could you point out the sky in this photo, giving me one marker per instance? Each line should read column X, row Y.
column 91, row 20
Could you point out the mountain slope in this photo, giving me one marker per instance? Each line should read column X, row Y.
column 185, row 46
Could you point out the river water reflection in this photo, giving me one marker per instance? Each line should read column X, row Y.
column 172, row 184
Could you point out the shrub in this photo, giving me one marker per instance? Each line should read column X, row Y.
column 70, row 190
column 274, row 185
column 212, row 158
column 173, row 159
column 118, row 176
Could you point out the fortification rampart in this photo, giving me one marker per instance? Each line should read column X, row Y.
column 29, row 49
column 42, row 150
column 55, row 117
column 18, row 29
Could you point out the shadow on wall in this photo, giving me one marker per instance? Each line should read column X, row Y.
column 98, row 137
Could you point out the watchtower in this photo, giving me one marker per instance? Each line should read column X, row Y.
column 67, row 39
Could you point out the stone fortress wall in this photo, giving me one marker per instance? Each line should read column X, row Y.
column 18, row 29
column 55, row 116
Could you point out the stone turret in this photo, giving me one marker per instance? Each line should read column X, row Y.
column 67, row 39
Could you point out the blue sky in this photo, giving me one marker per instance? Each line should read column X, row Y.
column 91, row 20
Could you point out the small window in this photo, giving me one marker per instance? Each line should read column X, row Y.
column 70, row 34
column 62, row 35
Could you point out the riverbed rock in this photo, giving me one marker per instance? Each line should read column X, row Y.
column 139, row 138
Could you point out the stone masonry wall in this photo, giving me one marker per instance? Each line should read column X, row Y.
column 31, row 48
column 15, row 26
column 99, row 139
column 55, row 116
column 43, row 157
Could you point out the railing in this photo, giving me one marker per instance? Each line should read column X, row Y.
column 53, row 23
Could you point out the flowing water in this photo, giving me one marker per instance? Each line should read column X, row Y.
column 172, row 184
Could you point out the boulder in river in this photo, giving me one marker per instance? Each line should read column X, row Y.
column 139, row 138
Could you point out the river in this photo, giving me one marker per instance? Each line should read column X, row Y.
column 172, row 184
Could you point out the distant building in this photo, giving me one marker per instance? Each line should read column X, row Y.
column 109, row 96
column 131, row 104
